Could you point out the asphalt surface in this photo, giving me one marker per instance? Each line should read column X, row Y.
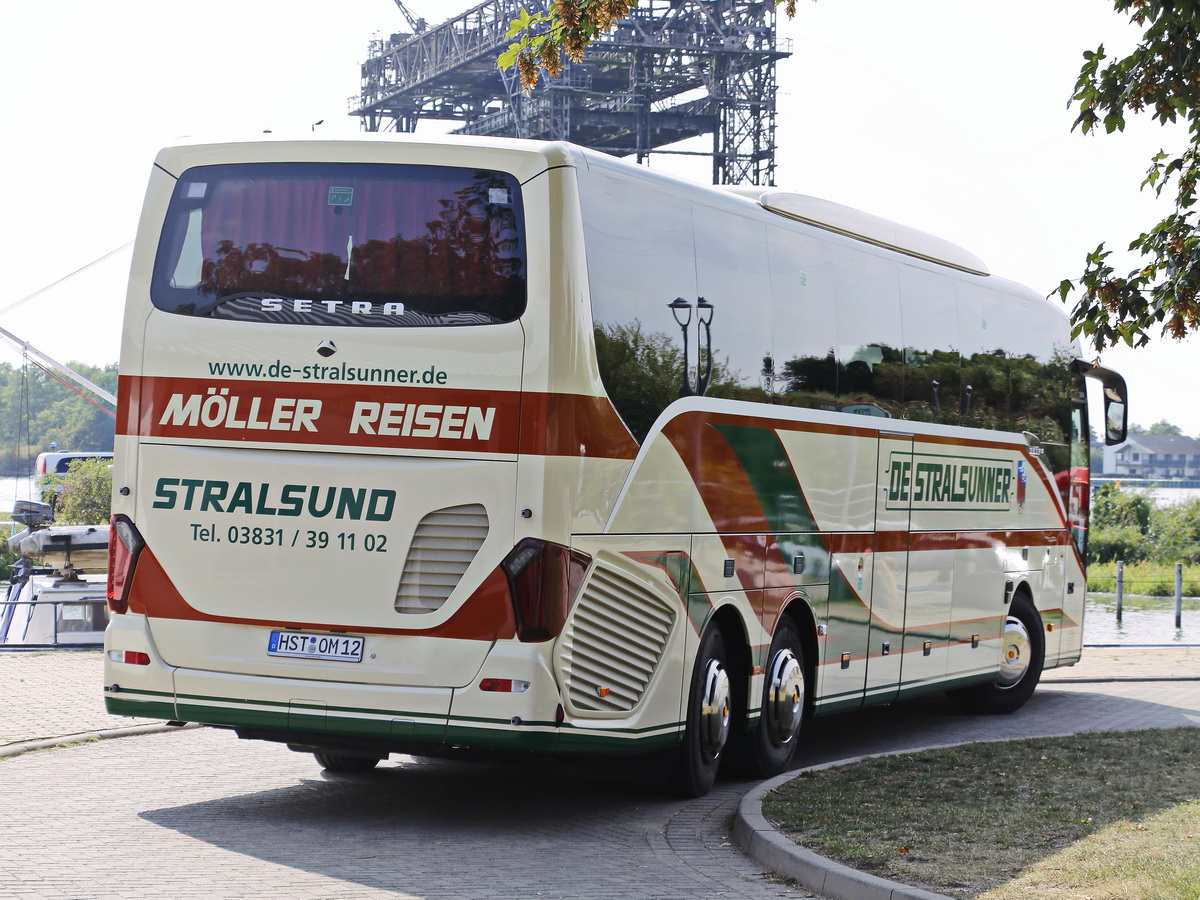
column 196, row 813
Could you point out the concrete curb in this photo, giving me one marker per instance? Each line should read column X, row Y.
column 758, row 839
column 19, row 747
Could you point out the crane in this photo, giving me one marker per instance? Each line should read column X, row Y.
column 417, row 25
column 57, row 370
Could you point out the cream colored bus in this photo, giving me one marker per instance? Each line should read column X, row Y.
column 444, row 444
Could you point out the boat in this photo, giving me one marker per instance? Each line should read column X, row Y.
column 57, row 592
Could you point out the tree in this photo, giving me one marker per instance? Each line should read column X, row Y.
column 1174, row 533
column 37, row 409
column 86, row 494
column 1162, row 76
column 565, row 28
column 1162, row 426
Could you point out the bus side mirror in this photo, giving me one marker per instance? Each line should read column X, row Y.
column 1114, row 421
column 1116, row 399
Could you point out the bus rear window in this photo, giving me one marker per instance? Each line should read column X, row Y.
column 343, row 244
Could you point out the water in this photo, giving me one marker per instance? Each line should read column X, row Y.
column 12, row 489
column 1152, row 622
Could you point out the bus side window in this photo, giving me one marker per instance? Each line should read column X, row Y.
column 640, row 257
column 869, row 337
column 732, row 275
column 801, row 368
column 933, row 389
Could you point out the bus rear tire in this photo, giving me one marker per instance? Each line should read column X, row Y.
column 709, row 713
column 337, row 762
column 1023, row 655
column 770, row 744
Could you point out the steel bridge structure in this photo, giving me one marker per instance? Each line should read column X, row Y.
column 671, row 70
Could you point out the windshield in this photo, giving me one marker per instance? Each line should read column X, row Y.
column 345, row 244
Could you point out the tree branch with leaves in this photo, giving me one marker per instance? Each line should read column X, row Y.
column 564, row 30
column 1161, row 76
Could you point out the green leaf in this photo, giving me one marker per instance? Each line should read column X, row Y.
column 508, row 58
column 521, row 23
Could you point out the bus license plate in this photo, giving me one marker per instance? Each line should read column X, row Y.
column 341, row 648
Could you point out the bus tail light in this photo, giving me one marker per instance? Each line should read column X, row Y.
column 124, row 545
column 543, row 580
column 504, row 686
column 130, row 657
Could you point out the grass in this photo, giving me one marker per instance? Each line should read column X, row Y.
column 1145, row 578
column 1101, row 816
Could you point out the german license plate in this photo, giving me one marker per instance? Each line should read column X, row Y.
column 339, row 647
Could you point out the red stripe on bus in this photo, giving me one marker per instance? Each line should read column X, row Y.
column 719, row 476
column 429, row 419
column 573, row 425
column 974, row 540
column 859, row 542
column 891, row 541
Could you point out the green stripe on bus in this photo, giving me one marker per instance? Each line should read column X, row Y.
column 771, row 475
column 142, row 709
column 433, row 734
column 780, row 496
column 301, row 706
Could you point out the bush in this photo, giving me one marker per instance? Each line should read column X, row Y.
column 1112, row 507
column 1128, row 526
column 1112, row 544
column 86, row 494
column 1174, row 533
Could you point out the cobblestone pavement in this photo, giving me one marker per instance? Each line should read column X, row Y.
column 198, row 813
column 50, row 695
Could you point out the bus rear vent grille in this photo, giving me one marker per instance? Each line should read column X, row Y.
column 615, row 640
column 443, row 546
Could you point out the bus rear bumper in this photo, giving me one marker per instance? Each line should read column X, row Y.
column 513, row 703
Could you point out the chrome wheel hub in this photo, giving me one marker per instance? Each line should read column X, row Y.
column 785, row 697
column 1014, row 662
column 714, row 711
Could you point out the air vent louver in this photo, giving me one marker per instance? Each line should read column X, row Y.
column 616, row 637
column 443, row 546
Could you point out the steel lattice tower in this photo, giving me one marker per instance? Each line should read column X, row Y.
column 673, row 69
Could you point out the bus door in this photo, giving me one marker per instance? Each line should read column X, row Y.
column 978, row 612
column 1054, row 592
column 929, row 587
column 846, row 653
column 888, row 589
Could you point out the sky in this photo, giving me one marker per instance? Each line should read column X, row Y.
column 949, row 116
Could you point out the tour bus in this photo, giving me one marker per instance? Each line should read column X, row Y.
column 441, row 444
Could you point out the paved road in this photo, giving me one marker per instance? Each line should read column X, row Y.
column 197, row 813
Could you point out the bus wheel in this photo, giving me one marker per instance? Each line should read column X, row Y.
column 710, row 701
column 337, row 762
column 772, row 742
column 1022, row 657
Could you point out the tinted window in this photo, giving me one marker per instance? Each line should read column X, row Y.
column 803, row 369
column 809, row 320
column 641, row 256
column 372, row 245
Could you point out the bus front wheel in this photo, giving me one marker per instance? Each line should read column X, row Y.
column 1023, row 653
column 709, row 711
